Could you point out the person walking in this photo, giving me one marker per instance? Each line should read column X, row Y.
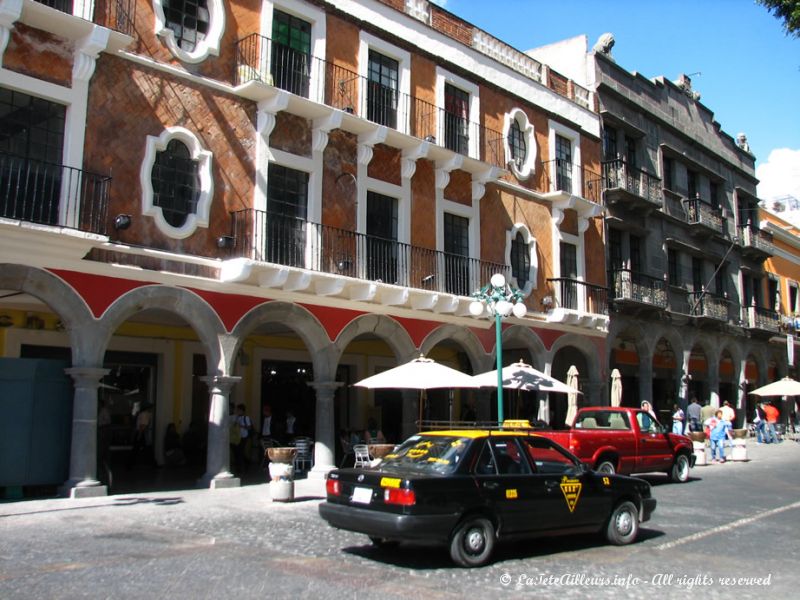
column 773, row 414
column 760, row 422
column 720, row 431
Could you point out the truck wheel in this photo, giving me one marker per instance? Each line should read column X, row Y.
column 473, row 542
column 606, row 467
column 680, row 469
column 623, row 525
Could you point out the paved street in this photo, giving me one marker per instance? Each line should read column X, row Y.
column 735, row 521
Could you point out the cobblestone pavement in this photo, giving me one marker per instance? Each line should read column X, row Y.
column 733, row 520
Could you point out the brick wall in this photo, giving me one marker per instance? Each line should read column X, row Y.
column 39, row 54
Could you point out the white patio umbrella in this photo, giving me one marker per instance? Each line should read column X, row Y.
column 572, row 398
column 418, row 374
column 521, row 376
column 783, row 387
column 616, row 388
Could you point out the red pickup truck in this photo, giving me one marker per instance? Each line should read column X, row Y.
column 626, row 440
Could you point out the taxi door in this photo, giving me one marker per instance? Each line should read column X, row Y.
column 567, row 495
column 501, row 473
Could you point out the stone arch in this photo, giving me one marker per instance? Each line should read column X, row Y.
column 62, row 299
column 296, row 318
column 643, row 341
column 461, row 335
column 586, row 348
column 386, row 328
column 528, row 338
column 191, row 307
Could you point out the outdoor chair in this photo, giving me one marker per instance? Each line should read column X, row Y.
column 361, row 453
column 303, row 460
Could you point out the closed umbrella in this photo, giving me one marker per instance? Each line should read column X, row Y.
column 616, row 388
column 572, row 398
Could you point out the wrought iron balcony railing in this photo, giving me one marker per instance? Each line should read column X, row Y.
column 118, row 15
column 289, row 241
column 581, row 296
column 563, row 176
column 617, row 174
column 755, row 239
column 630, row 285
column 702, row 213
column 756, row 317
column 51, row 194
column 703, row 304
column 260, row 59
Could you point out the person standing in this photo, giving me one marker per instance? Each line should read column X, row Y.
column 245, row 427
column 728, row 413
column 760, row 421
column 693, row 414
column 678, row 419
column 706, row 412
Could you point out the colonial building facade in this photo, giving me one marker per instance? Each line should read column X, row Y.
column 264, row 202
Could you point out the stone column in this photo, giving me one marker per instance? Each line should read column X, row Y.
column 684, row 377
column 82, row 482
column 713, row 384
column 218, row 458
column 646, row 381
column 324, row 445
column 741, row 399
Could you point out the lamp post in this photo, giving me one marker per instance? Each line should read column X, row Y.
column 501, row 300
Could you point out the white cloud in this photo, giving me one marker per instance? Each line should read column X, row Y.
column 780, row 175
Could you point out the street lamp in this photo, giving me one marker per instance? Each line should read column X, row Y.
column 501, row 300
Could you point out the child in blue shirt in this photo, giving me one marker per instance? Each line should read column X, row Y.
column 720, row 431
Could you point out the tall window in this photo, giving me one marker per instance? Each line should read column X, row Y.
column 793, row 308
column 520, row 260
column 674, row 267
column 569, row 271
column 635, row 244
column 517, row 145
column 615, row 249
column 773, row 296
column 697, row 273
column 291, row 53
column 630, row 151
column 563, row 164
column 668, row 172
column 287, row 210
column 382, row 92
column 610, row 144
column 176, row 183
column 713, row 194
column 719, row 280
column 456, row 119
column 188, row 20
column 691, row 184
column 382, row 247
column 456, row 248
column 31, row 145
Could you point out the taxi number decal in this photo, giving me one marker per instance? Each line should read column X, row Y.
column 606, row 481
column 511, row 494
column 571, row 488
column 416, row 453
column 390, row 482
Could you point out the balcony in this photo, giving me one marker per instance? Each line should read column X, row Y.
column 637, row 292
column 761, row 320
column 703, row 219
column 51, row 194
column 117, row 15
column 284, row 251
column 264, row 61
column 630, row 186
column 756, row 244
column 576, row 302
column 708, row 308
column 569, row 180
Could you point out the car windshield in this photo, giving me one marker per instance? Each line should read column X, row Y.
column 428, row 454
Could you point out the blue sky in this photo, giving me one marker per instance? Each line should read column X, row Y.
column 744, row 65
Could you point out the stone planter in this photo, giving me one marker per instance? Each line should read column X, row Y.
column 697, row 436
column 740, row 434
column 281, row 473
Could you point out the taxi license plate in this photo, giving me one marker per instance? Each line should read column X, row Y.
column 362, row 495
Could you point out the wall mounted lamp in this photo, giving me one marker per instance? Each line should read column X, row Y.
column 122, row 222
column 226, row 241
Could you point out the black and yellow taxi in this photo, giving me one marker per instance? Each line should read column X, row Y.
column 470, row 489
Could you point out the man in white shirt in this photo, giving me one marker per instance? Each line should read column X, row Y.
column 266, row 421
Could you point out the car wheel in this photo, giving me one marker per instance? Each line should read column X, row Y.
column 606, row 467
column 472, row 542
column 381, row 542
column 623, row 525
column 680, row 469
